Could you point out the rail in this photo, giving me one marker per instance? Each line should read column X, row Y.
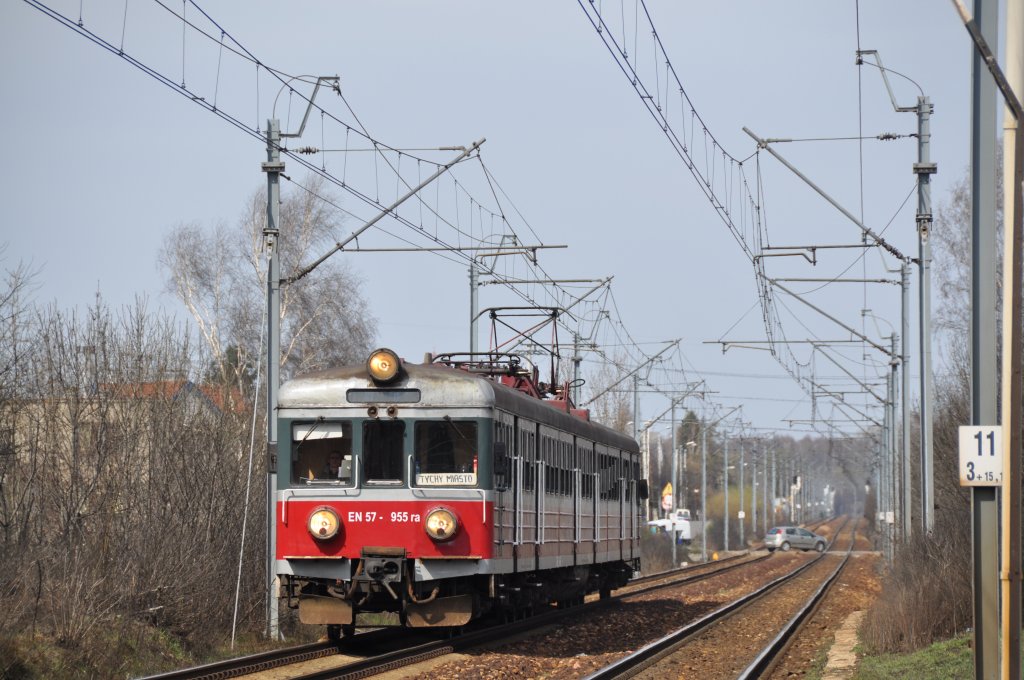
column 417, row 654
column 770, row 655
column 651, row 653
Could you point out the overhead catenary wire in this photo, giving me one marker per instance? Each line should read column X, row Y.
column 721, row 166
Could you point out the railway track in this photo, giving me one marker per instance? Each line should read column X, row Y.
column 368, row 662
column 672, row 656
column 277, row 658
column 406, row 655
column 496, row 635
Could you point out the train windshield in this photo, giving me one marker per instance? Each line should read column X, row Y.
column 446, row 453
column 322, row 453
column 383, row 451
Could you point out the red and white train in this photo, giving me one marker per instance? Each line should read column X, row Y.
column 446, row 490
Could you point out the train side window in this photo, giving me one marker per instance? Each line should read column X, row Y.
column 530, row 461
column 587, row 466
column 501, row 466
column 570, row 478
column 625, row 474
column 383, row 451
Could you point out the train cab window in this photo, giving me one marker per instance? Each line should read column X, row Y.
column 383, row 451
column 321, row 453
column 446, row 453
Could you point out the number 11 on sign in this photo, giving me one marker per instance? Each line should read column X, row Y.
column 981, row 455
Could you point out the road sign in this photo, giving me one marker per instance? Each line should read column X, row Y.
column 981, row 455
column 741, row 514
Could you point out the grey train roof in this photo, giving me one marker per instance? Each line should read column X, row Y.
column 329, row 389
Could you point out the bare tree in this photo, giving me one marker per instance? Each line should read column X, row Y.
column 952, row 247
column 122, row 494
column 614, row 406
column 220, row 276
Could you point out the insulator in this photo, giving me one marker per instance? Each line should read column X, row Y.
column 307, row 149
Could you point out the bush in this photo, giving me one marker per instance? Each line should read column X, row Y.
column 926, row 596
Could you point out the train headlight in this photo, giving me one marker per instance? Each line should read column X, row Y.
column 440, row 524
column 324, row 524
column 383, row 365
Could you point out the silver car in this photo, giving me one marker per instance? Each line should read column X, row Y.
column 785, row 538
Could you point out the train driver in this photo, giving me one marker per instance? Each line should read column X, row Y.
column 338, row 466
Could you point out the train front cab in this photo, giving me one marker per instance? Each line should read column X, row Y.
column 401, row 528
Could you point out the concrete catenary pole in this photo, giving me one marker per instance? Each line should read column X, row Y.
column 271, row 233
column 924, row 169
column 767, row 500
column 704, row 491
column 904, row 393
column 675, row 484
column 753, row 492
column 742, row 514
column 474, row 292
column 725, row 469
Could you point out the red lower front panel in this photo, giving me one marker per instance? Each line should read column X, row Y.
column 382, row 523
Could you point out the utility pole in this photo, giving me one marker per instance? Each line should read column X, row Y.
column 675, row 484
column 924, row 169
column 645, row 461
column 753, row 492
column 474, row 303
column 704, row 491
column 768, row 500
column 576, row 359
column 725, row 468
column 742, row 514
column 273, row 167
column 899, row 483
column 901, row 395
column 904, row 394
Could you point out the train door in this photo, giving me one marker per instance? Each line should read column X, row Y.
column 605, row 524
column 541, row 494
column 622, row 498
column 634, row 507
column 587, row 513
column 526, row 495
column 577, row 503
column 504, row 506
column 549, row 500
column 563, row 491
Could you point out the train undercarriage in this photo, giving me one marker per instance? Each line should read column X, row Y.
column 382, row 583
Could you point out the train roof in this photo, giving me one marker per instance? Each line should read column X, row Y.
column 440, row 386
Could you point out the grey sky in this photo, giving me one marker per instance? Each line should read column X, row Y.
column 107, row 159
